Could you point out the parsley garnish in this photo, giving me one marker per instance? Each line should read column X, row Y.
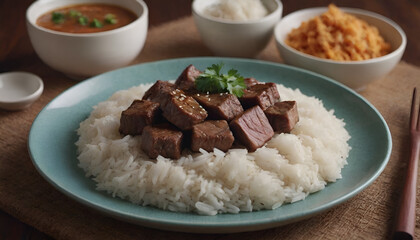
column 83, row 20
column 96, row 23
column 110, row 19
column 57, row 17
column 73, row 13
column 213, row 81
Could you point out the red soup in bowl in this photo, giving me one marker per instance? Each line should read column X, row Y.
column 86, row 18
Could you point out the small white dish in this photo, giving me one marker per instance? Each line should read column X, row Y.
column 236, row 38
column 18, row 90
column 355, row 74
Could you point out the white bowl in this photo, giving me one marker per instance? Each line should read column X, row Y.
column 355, row 74
column 83, row 55
column 236, row 38
column 18, row 90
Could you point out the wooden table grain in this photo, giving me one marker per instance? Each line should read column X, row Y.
column 17, row 54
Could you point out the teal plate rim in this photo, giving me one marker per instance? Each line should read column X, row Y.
column 53, row 153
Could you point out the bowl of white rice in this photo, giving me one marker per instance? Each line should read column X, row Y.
column 236, row 28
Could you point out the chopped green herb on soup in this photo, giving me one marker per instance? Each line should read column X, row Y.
column 86, row 18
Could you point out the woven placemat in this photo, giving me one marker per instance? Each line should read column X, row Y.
column 27, row 196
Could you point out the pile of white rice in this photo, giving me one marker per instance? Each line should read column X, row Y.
column 237, row 10
column 286, row 170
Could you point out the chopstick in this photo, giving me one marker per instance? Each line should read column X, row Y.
column 406, row 216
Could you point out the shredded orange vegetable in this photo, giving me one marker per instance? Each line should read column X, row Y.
column 338, row 36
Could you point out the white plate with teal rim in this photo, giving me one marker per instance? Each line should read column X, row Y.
column 53, row 135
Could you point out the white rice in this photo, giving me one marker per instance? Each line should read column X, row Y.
column 237, row 10
column 286, row 170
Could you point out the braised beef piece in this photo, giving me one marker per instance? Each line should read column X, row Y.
column 252, row 128
column 186, row 81
column 155, row 92
column 250, row 81
column 211, row 134
column 163, row 139
column 283, row 116
column 182, row 110
column 223, row 106
column 137, row 116
column 263, row 95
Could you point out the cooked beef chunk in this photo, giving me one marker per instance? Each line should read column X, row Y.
column 155, row 92
column 182, row 110
column 211, row 134
column 220, row 105
column 250, row 82
column 137, row 116
column 263, row 95
column 186, row 81
column 283, row 116
column 178, row 108
column 164, row 140
column 252, row 128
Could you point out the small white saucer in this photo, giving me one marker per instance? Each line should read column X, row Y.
column 18, row 90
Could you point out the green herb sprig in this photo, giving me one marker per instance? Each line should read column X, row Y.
column 110, row 19
column 213, row 81
column 96, row 23
column 82, row 20
column 58, row 17
column 73, row 13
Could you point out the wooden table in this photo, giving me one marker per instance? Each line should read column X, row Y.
column 17, row 54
